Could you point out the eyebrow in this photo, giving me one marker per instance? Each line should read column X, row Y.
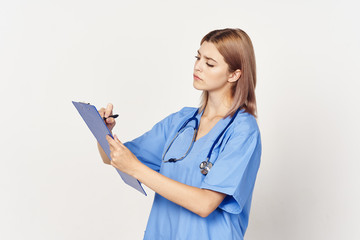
column 208, row 58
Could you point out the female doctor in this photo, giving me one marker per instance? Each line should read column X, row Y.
column 201, row 163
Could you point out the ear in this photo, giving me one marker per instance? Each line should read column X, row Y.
column 234, row 76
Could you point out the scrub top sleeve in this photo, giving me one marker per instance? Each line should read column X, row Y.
column 235, row 169
column 149, row 146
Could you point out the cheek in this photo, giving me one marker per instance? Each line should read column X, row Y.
column 217, row 76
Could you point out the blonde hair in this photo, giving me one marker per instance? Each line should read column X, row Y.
column 238, row 52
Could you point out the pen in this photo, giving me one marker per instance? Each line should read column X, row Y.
column 113, row 116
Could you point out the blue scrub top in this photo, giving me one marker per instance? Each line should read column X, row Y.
column 236, row 159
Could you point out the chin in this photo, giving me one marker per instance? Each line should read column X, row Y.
column 196, row 85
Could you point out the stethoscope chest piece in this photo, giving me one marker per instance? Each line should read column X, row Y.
column 205, row 167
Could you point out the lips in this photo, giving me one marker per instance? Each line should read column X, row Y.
column 196, row 77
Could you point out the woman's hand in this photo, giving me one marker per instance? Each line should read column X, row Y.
column 110, row 123
column 121, row 157
column 106, row 112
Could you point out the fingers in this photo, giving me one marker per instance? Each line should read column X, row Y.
column 105, row 113
column 117, row 139
column 102, row 112
column 114, row 143
column 117, row 149
column 110, row 120
column 108, row 110
column 111, row 141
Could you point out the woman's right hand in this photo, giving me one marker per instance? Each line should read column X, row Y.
column 106, row 112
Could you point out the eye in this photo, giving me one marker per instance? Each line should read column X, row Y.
column 197, row 57
column 209, row 65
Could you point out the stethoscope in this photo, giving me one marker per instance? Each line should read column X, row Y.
column 205, row 166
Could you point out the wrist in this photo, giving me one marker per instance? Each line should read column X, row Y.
column 138, row 170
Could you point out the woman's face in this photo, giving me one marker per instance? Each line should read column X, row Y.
column 210, row 69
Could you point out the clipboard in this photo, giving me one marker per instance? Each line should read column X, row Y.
column 97, row 126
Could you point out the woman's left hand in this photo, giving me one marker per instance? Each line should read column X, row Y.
column 121, row 157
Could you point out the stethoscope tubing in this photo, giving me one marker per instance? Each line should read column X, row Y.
column 218, row 138
column 196, row 128
column 178, row 132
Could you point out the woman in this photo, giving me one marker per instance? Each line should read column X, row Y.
column 202, row 163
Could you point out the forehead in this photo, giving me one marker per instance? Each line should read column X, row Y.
column 209, row 50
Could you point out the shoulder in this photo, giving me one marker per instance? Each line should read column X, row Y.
column 244, row 134
column 185, row 112
column 179, row 116
column 245, row 124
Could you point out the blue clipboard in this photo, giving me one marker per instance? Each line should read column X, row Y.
column 99, row 129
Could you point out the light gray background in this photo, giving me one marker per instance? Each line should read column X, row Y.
column 139, row 55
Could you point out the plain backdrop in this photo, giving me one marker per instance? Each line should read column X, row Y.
column 139, row 55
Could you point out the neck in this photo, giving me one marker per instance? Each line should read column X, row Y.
column 217, row 105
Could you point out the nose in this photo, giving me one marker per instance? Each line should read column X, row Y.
column 197, row 66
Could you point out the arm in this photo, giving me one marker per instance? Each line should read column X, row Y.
column 200, row 201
